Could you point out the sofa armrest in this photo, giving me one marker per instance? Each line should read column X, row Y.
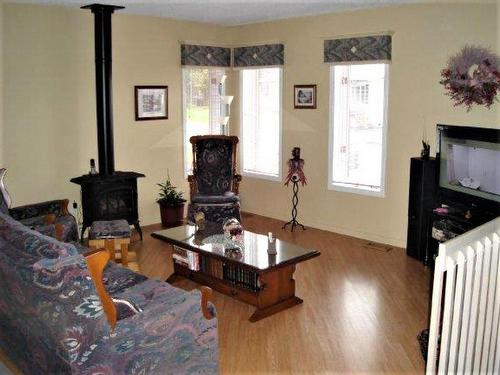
column 57, row 207
column 35, row 221
column 49, row 230
column 96, row 261
column 206, row 296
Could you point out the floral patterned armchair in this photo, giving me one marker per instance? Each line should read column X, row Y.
column 214, row 184
column 50, row 218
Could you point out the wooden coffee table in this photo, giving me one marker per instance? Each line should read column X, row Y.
column 244, row 271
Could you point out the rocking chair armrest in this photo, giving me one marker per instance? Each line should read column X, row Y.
column 236, row 183
column 193, row 188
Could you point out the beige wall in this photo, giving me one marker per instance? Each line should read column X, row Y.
column 424, row 37
column 50, row 100
column 49, row 103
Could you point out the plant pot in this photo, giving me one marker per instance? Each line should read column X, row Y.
column 171, row 216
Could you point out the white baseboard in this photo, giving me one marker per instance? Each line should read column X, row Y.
column 398, row 242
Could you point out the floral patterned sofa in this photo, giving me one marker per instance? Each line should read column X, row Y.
column 52, row 320
column 51, row 218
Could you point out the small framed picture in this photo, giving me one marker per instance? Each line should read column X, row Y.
column 151, row 103
column 304, row 96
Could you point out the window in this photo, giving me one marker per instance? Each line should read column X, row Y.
column 261, row 122
column 201, row 106
column 358, row 125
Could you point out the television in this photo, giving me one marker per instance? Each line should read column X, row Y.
column 469, row 166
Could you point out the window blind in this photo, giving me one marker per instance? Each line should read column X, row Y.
column 262, row 55
column 196, row 55
column 369, row 48
column 261, row 122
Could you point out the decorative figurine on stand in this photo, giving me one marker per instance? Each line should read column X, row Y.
column 426, row 150
column 296, row 168
column 295, row 175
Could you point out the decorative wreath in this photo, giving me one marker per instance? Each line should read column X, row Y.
column 472, row 77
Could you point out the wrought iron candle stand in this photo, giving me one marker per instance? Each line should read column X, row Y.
column 295, row 201
column 295, row 175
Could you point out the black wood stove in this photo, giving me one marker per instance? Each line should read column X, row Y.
column 110, row 194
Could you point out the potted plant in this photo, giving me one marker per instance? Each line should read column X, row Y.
column 171, row 204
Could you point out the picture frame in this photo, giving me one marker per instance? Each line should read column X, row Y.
column 151, row 103
column 304, row 96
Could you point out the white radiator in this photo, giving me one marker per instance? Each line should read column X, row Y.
column 464, row 328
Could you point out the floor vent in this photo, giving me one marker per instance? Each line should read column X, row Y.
column 378, row 246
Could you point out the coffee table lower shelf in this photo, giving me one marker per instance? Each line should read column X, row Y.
column 275, row 292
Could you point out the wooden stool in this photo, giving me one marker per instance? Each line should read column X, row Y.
column 112, row 235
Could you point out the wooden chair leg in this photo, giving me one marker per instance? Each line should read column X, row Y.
column 124, row 251
column 92, row 245
column 110, row 246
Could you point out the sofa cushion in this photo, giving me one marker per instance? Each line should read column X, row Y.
column 227, row 197
column 109, row 229
column 170, row 336
column 47, row 230
column 116, row 278
column 54, row 302
column 23, row 241
column 142, row 294
column 32, row 222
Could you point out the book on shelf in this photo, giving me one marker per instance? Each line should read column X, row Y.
column 240, row 277
column 186, row 258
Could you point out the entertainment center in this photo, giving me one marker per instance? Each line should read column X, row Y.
column 455, row 192
column 468, row 189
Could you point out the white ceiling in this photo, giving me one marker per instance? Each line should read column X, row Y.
column 230, row 12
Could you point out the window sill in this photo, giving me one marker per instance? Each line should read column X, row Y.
column 357, row 190
column 262, row 176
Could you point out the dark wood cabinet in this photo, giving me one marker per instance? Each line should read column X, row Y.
column 422, row 199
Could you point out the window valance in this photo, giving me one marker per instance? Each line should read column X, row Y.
column 368, row 48
column 205, row 55
column 262, row 55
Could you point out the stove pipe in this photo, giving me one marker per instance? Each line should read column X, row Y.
column 103, row 85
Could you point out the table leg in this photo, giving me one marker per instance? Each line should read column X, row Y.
column 277, row 293
column 261, row 313
column 173, row 278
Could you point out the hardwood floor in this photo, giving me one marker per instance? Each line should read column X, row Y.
column 361, row 313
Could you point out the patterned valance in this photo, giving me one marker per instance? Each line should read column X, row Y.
column 205, row 55
column 366, row 48
column 263, row 55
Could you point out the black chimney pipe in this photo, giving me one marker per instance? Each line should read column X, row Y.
column 103, row 85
